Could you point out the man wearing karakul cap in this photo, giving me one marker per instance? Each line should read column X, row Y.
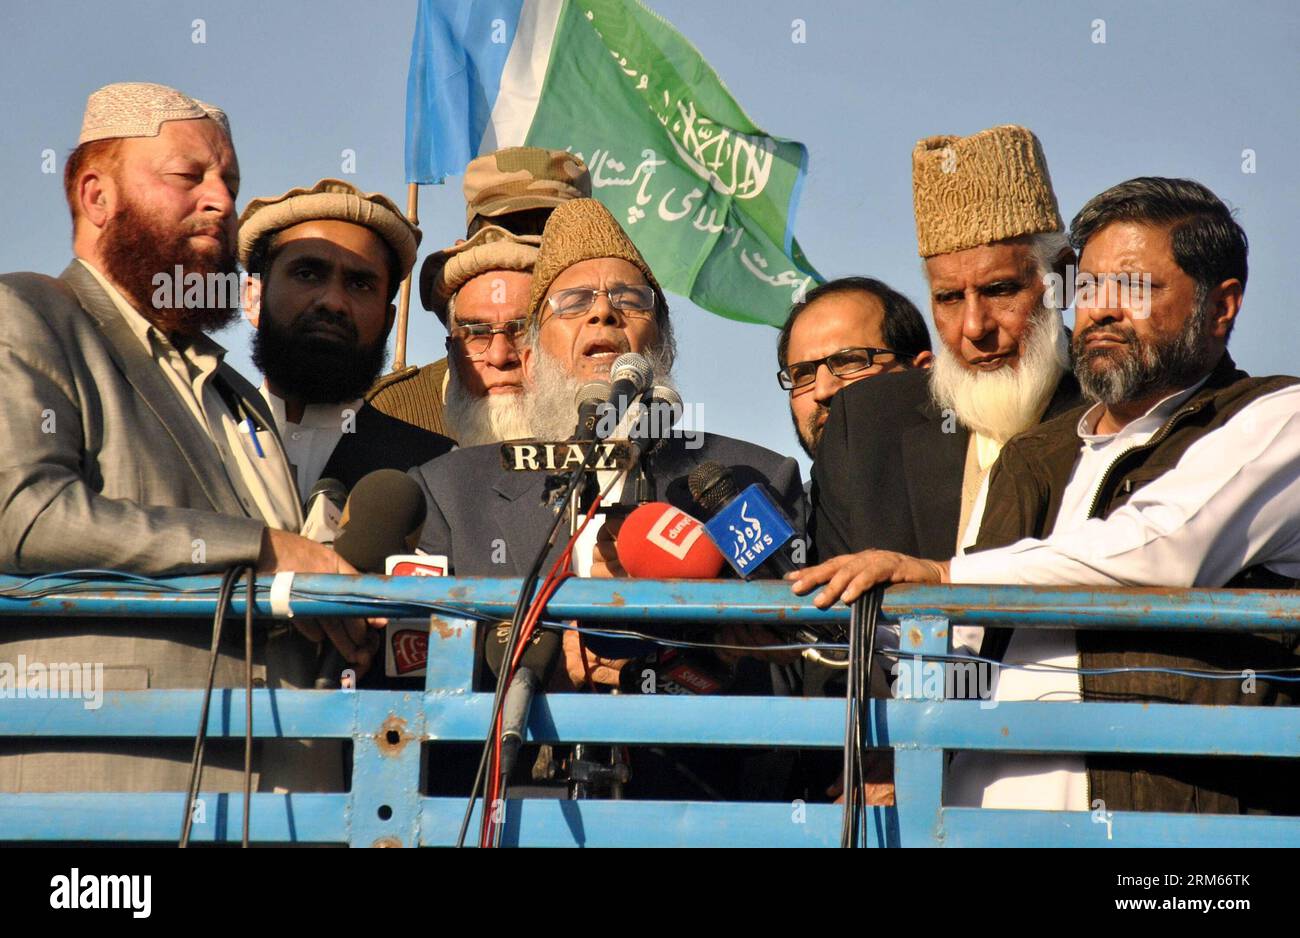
column 133, row 446
column 904, row 458
column 593, row 298
column 478, row 288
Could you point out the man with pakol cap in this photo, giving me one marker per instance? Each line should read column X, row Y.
column 593, row 298
column 133, row 446
column 326, row 263
column 478, row 288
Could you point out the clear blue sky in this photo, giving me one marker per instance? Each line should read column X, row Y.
column 1178, row 89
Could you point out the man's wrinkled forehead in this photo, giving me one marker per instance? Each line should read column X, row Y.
column 200, row 140
column 986, row 263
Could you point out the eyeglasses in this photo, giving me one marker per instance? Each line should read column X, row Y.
column 842, row 364
column 635, row 300
column 477, row 336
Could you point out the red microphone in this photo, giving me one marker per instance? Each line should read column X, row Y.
column 658, row 541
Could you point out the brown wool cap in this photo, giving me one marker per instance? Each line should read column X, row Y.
column 520, row 178
column 583, row 230
column 331, row 199
column 139, row 109
column 491, row 248
column 975, row 190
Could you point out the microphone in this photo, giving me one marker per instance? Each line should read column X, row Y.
column 652, row 420
column 658, row 541
column 384, row 515
column 631, row 374
column 323, row 510
column 530, row 677
column 591, row 398
column 747, row 526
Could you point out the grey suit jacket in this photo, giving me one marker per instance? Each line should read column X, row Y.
column 102, row 465
column 491, row 522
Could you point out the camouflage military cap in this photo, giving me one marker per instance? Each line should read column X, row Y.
column 520, row 178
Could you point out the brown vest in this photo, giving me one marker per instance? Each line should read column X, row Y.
column 1025, row 492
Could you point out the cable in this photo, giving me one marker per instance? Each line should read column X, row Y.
column 525, row 594
column 559, row 572
column 250, row 579
column 862, row 646
column 1214, row 674
column 228, row 580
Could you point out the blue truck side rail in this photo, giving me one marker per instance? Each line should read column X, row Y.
column 390, row 729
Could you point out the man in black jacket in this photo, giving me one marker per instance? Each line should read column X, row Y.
column 326, row 264
column 903, row 458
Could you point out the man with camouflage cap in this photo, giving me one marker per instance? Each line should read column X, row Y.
column 131, row 445
column 326, row 263
column 478, row 288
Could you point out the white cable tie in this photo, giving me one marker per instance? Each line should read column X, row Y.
column 281, row 588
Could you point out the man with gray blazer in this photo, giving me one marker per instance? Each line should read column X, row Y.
column 593, row 298
column 129, row 444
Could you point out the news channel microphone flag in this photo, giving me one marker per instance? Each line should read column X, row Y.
column 707, row 196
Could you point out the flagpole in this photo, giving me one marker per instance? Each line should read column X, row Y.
column 404, row 303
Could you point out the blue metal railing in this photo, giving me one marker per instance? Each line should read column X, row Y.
column 389, row 729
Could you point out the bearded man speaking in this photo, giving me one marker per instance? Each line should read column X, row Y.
column 593, row 299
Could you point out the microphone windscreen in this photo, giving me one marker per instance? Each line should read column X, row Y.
column 593, row 392
column 712, row 486
column 633, row 368
column 384, row 510
column 332, row 489
column 659, row 541
column 540, row 656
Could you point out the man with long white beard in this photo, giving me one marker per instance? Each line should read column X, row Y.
column 478, row 288
column 593, row 298
column 904, row 458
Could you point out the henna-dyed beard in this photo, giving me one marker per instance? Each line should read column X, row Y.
column 136, row 248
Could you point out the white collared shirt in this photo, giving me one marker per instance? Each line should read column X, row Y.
column 311, row 441
column 1231, row 502
column 253, row 459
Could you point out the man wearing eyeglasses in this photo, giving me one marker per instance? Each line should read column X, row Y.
column 478, row 288
column 842, row 332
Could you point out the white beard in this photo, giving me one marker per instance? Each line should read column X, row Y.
column 550, row 406
column 492, row 418
column 999, row 404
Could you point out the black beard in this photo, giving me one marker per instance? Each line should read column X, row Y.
column 312, row 370
column 136, row 249
column 1144, row 366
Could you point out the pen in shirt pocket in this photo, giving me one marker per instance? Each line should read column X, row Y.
column 252, row 433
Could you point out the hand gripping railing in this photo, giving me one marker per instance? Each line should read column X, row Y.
column 385, row 806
